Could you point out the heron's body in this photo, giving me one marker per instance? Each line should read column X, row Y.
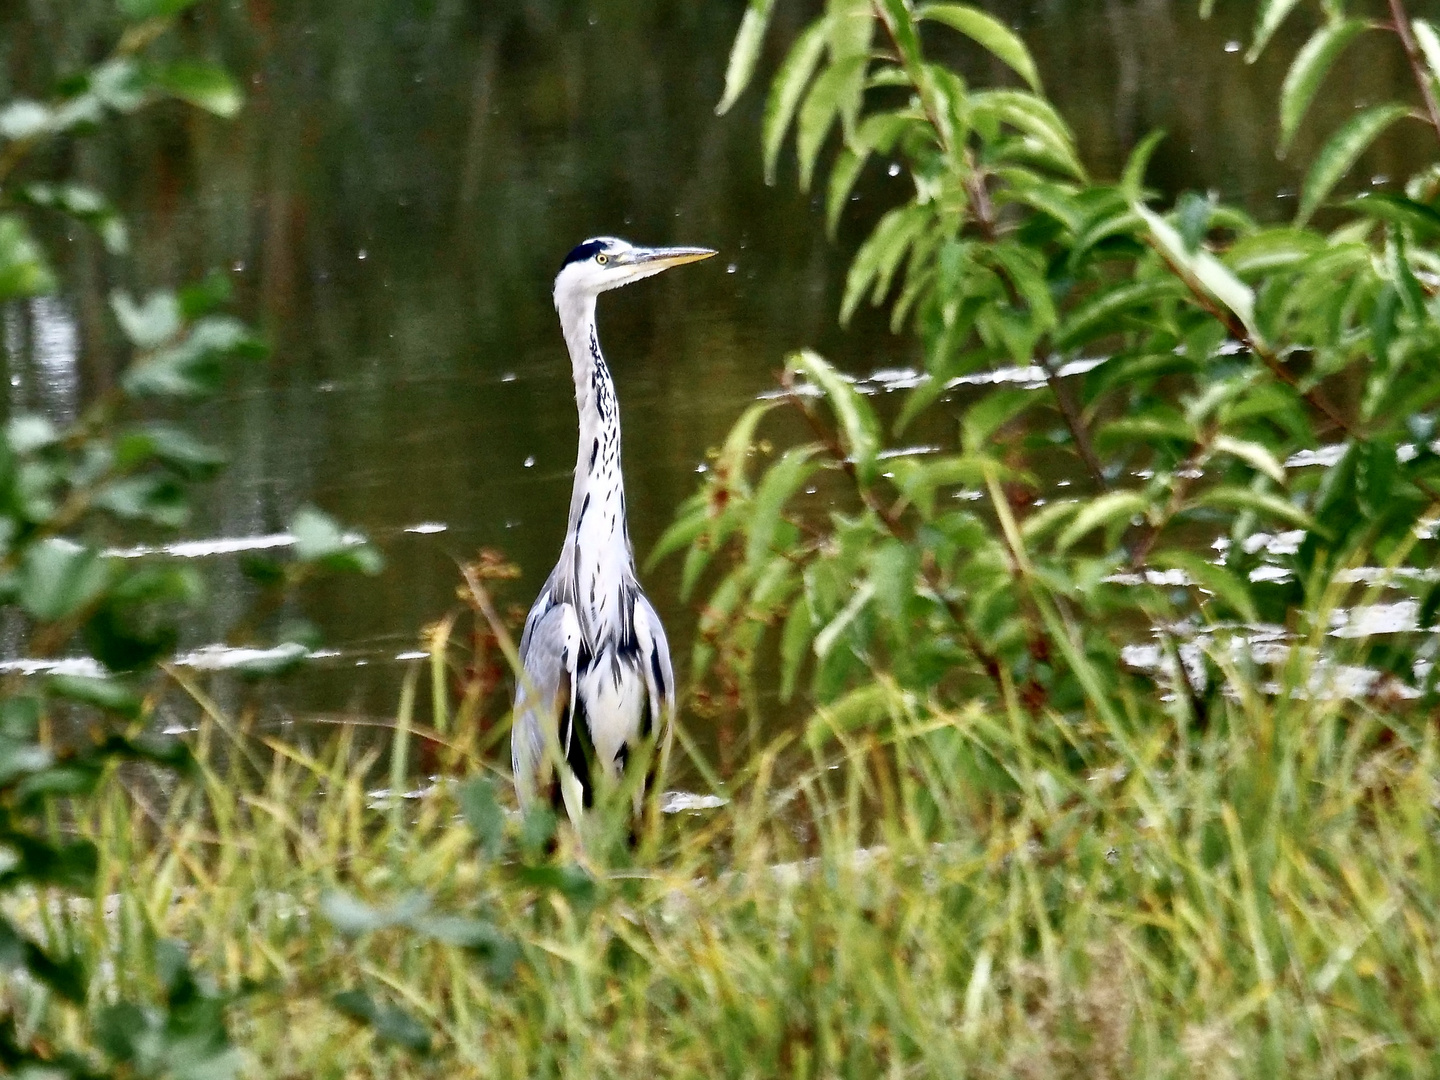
column 598, row 686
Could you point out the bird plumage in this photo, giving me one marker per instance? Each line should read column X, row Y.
column 597, row 686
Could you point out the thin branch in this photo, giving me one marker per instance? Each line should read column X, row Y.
column 1417, row 62
column 1075, row 422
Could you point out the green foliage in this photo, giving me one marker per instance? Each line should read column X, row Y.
column 68, row 496
column 1190, row 361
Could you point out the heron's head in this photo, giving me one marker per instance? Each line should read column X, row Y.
column 607, row 263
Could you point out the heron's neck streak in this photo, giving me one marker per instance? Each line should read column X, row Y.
column 598, row 538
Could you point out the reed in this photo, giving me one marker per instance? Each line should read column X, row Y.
column 949, row 894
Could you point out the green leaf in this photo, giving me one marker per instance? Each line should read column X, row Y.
column 1101, row 313
column 989, row 414
column 206, row 296
column 1267, row 20
column 570, row 881
column 859, row 429
column 1308, row 71
column 1341, row 152
column 901, row 24
column 893, row 566
column 59, row 578
column 829, row 95
column 138, row 10
column 159, row 499
column 1214, row 579
column 1192, row 218
column 1209, row 272
column 1397, row 210
column 1132, row 180
column 206, row 86
column 786, row 91
column 25, row 119
column 111, row 695
column 874, row 265
column 483, row 814
column 1253, row 454
column 826, row 639
column 843, row 175
column 389, row 1022
column 1407, row 286
column 150, row 323
column 921, row 477
column 1271, row 249
column 85, row 204
column 1107, row 509
column 990, row 33
column 690, row 523
column 1261, row 502
column 29, row 432
column 1034, row 116
column 730, row 464
column 353, row 917
column 745, row 52
column 319, row 539
column 23, row 269
column 794, row 645
column 171, row 446
column 778, row 486
column 859, row 709
column 1428, row 39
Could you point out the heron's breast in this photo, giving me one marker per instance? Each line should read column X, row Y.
column 613, row 692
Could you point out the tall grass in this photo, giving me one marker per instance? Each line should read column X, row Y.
column 1251, row 892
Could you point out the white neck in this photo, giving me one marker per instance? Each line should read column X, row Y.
column 598, row 537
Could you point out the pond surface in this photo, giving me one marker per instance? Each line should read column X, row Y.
column 393, row 203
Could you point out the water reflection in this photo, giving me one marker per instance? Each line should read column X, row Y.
column 394, row 202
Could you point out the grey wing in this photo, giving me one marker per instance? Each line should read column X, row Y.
column 659, row 675
column 549, row 653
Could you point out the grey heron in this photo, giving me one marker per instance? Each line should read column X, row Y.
column 597, row 687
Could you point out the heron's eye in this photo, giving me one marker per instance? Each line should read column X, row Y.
column 602, row 258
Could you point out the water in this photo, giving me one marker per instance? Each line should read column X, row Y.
column 393, row 203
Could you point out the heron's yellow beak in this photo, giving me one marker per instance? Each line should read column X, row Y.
column 664, row 258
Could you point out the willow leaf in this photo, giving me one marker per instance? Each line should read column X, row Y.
column 1271, row 14
column 843, row 175
column 1253, row 454
column 774, row 491
column 786, row 91
column 1132, row 180
column 1211, row 578
column 1397, row 210
column 1098, row 313
column 1342, row 151
column 1212, row 275
column 1428, row 38
column 826, row 99
column 858, row 426
column 794, row 645
column 745, row 52
column 1308, row 71
column 1114, row 506
column 1263, row 503
column 990, row 33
